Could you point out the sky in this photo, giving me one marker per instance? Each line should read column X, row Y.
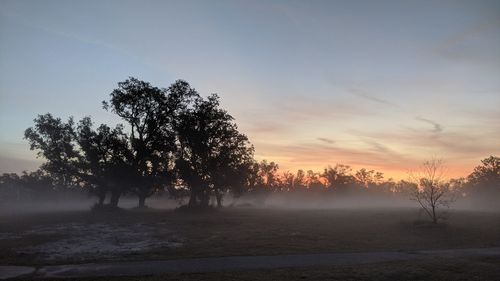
column 383, row 85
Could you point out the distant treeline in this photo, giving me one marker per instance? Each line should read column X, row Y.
column 176, row 141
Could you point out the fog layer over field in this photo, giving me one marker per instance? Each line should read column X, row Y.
column 81, row 202
column 76, row 203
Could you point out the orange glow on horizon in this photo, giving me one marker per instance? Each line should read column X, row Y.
column 394, row 172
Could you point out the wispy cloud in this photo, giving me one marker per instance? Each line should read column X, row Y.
column 378, row 147
column 326, row 140
column 463, row 45
column 362, row 94
column 463, row 144
column 437, row 128
column 311, row 108
column 317, row 156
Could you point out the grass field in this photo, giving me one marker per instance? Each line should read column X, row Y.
column 85, row 236
column 431, row 269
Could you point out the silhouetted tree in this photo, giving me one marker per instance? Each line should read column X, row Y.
column 486, row 175
column 313, row 180
column 368, row 178
column 151, row 113
column 106, row 160
column 255, row 182
column 10, row 188
column 230, row 161
column 38, row 183
column 212, row 154
column 300, row 180
column 338, row 178
column 388, row 186
column 35, row 184
column 483, row 184
column 232, row 176
column 55, row 141
column 288, row 181
column 430, row 189
column 268, row 172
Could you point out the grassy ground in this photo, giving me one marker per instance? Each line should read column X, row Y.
column 429, row 269
column 235, row 232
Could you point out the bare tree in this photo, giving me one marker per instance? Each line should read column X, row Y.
column 430, row 188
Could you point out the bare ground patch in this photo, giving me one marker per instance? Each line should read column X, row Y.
column 78, row 237
column 79, row 241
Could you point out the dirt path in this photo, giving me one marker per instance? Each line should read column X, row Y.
column 138, row 268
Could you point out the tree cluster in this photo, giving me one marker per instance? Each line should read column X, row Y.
column 174, row 139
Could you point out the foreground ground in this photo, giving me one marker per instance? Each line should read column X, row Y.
column 84, row 236
column 246, row 263
column 431, row 269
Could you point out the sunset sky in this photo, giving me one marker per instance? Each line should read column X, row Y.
column 376, row 84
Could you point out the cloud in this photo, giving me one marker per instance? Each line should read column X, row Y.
column 378, row 147
column 437, row 127
column 485, row 117
column 265, row 127
column 326, row 140
column 464, row 143
column 464, row 45
column 311, row 155
column 361, row 94
column 304, row 109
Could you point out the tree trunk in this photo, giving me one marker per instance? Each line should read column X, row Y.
column 101, row 200
column 115, row 197
column 142, row 201
column 205, row 199
column 218, row 196
column 192, row 198
column 434, row 216
column 102, row 196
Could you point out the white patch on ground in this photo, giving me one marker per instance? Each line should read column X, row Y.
column 7, row 271
column 81, row 241
column 7, row 235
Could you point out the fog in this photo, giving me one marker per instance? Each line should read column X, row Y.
column 306, row 201
column 320, row 201
column 76, row 203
